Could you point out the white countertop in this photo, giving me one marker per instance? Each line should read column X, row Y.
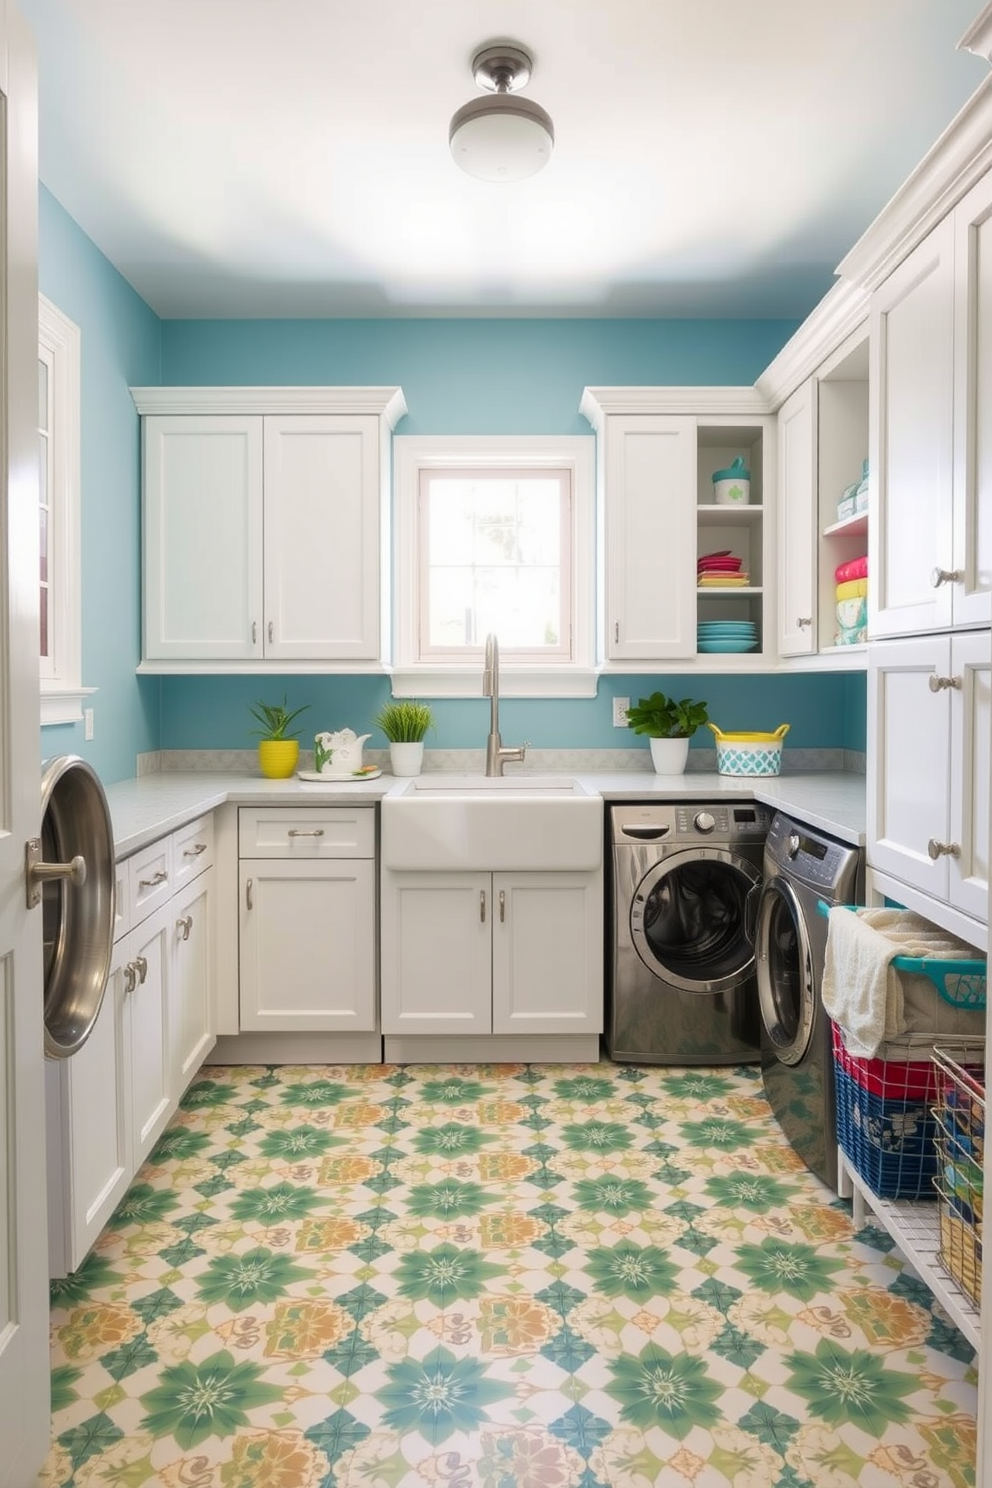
column 151, row 806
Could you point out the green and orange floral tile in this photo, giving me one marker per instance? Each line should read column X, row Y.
column 496, row 1276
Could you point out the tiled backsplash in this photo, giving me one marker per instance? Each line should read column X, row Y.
column 473, row 761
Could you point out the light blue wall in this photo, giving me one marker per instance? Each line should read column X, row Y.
column 120, row 345
column 458, row 376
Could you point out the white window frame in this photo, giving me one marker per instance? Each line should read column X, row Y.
column 413, row 454
column 62, row 692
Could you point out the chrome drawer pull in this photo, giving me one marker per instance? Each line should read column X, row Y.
column 306, row 832
column 946, row 576
column 185, row 925
column 937, row 684
column 254, row 632
column 195, row 850
column 154, row 881
column 270, row 630
column 141, row 966
column 942, row 849
column 248, row 894
column 482, row 906
column 502, row 907
column 130, row 977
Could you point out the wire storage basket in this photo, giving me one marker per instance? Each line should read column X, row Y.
column 886, row 1123
column 959, row 1111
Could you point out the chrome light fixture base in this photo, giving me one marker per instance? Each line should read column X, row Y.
column 501, row 138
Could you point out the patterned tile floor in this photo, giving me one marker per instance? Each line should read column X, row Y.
column 496, row 1276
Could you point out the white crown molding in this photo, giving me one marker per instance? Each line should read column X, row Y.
column 842, row 311
column 387, row 403
column 597, row 402
column 978, row 37
column 961, row 155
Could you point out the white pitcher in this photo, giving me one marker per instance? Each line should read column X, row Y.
column 342, row 751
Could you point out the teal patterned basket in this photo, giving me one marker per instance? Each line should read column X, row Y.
column 749, row 754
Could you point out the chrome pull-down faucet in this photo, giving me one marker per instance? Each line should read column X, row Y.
column 496, row 755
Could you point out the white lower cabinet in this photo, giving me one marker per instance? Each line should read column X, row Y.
column 500, row 953
column 109, row 1103
column 929, row 720
column 307, row 919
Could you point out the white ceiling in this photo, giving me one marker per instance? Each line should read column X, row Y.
column 290, row 157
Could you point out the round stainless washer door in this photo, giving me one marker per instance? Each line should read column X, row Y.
column 786, row 989
column 77, row 917
column 692, row 918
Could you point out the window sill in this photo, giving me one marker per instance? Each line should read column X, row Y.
column 514, row 682
column 63, row 704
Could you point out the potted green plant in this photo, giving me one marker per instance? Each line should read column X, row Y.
column 278, row 744
column 669, row 725
column 404, row 722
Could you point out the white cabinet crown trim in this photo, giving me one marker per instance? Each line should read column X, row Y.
column 597, row 402
column 842, row 311
column 387, row 403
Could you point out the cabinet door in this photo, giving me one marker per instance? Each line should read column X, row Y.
column 650, row 536
column 192, row 978
column 909, row 745
column 971, row 730
column 307, row 945
column 89, row 1129
column 912, row 351
column 436, row 953
column 971, row 557
column 796, row 538
column 150, row 1050
column 547, row 953
column 322, row 537
column 202, row 537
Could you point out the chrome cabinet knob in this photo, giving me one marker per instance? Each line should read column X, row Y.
column 803, row 620
column 938, row 684
column 946, row 576
column 942, row 849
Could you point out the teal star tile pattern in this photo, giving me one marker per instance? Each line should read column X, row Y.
column 493, row 1275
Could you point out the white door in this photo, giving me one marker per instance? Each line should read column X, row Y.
column 150, row 1052
column 192, row 981
column 322, row 558
column 202, row 537
column 307, row 945
column 971, row 558
column 547, row 953
column 971, row 730
column 797, row 540
column 436, row 953
column 911, row 440
column 24, row 1391
column 650, row 536
column 909, row 749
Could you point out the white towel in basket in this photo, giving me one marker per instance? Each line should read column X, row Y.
column 869, row 999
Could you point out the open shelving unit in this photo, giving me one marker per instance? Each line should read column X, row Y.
column 842, row 446
column 742, row 529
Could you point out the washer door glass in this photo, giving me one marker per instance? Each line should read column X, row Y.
column 786, row 993
column 692, row 919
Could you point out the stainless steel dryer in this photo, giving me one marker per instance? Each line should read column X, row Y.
column 802, row 866
column 684, row 884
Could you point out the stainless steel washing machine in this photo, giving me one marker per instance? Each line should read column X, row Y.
column 684, row 886
column 802, row 866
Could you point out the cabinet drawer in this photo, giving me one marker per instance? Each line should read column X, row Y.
column 192, row 849
column 307, row 832
column 149, row 880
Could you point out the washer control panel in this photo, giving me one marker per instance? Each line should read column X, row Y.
column 691, row 821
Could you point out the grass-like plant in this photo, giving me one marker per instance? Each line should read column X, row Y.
column 661, row 717
column 405, row 721
column 275, row 719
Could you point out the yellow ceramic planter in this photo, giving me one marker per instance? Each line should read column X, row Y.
column 278, row 757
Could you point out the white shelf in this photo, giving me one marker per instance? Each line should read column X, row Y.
column 915, row 1227
column 853, row 526
column 719, row 516
column 720, row 591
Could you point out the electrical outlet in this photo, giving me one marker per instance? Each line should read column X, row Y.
column 87, row 723
column 620, row 706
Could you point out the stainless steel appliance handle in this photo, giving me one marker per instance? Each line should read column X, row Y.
column 39, row 872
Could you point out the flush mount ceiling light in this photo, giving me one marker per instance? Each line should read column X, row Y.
column 501, row 138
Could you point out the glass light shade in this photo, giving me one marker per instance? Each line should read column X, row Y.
column 501, row 138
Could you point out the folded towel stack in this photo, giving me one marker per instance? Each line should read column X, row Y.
column 869, row 999
column 852, row 604
column 721, row 571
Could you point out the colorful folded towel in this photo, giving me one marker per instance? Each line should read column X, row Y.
column 856, row 569
column 707, row 580
column 855, row 637
column 853, row 589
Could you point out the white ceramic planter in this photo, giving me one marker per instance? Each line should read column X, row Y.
column 406, row 759
column 669, row 755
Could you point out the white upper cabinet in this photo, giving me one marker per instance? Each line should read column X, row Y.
column 650, row 464
column 931, row 525
column 796, row 548
column 265, row 515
